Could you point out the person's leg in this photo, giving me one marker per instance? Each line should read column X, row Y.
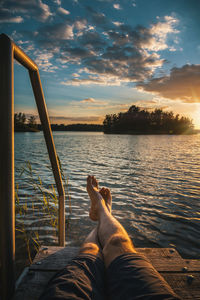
column 129, row 274
column 84, row 276
column 91, row 245
column 112, row 236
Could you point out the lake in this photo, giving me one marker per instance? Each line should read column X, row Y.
column 154, row 180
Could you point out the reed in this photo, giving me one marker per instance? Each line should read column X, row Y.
column 42, row 203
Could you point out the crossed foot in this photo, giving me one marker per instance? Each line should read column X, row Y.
column 96, row 196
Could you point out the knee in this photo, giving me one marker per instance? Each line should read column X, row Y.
column 117, row 240
column 118, row 243
column 90, row 248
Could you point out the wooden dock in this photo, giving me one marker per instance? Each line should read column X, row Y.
column 183, row 275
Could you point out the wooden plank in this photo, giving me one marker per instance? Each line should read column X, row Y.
column 33, row 285
column 150, row 252
column 48, row 250
column 168, row 259
column 183, row 287
column 165, row 260
column 53, row 258
column 193, row 265
column 159, row 252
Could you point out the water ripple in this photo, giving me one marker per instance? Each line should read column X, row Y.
column 154, row 182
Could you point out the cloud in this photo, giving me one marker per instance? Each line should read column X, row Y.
column 125, row 63
column 152, row 104
column 95, row 80
column 63, row 11
column 75, row 75
column 75, row 55
column 80, row 24
column 92, row 40
column 43, row 61
column 57, row 2
column 111, row 56
column 10, row 19
column 115, row 57
column 62, row 31
column 88, row 100
column 44, row 12
column 6, row 16
column 146, row 102
column 76, row 119
column 158, row 34
column 94, row 103
column 182, row 84
column 98, row 18
column 36, row 8
column 117, row 23
column 118, row 107
column 154, row 38
column 117, row 6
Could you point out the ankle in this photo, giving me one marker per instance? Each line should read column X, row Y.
column 103, row 209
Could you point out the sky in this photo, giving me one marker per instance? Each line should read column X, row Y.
column 102, row 56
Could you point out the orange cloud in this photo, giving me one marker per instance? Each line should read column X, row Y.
column 182, row 84
column 88, row 100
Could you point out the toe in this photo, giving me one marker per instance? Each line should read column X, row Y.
column 89, row 178
column 108, row 193
column 89, row 182
column 94, row 182
column 102, row 192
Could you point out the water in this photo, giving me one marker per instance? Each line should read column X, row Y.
column 154, row 180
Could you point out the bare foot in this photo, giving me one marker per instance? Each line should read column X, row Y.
column 95, row 197
column 106, row 194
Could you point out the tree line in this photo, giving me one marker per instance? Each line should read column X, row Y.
column 141, row 121
column 77, row 127
column 134, row 121
column 24, row 123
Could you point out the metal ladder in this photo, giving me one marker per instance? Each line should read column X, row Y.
column 8, row 52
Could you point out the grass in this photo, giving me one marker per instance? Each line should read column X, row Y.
column 41, row 202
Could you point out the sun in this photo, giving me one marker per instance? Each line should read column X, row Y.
column 196, row 117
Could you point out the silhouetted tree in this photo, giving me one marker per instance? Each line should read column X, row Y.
column 19, row 119
column 32, row 122
column 107, row 123
column 137, row 120
column 76, row 127
column 21, row 124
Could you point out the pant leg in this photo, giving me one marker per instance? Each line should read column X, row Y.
column 82, row 278
column 131, row 276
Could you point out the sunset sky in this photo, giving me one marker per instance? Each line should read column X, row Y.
column 101, row 56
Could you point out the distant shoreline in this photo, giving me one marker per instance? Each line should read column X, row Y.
column 100, row 128
column 196, row 131
column 27, row 130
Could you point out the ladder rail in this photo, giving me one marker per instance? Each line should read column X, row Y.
column 8, row 52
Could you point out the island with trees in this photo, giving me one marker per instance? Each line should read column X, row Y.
column 134, row 121
column 141, row 121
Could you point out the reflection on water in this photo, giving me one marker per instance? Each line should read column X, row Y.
column 154, row 180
